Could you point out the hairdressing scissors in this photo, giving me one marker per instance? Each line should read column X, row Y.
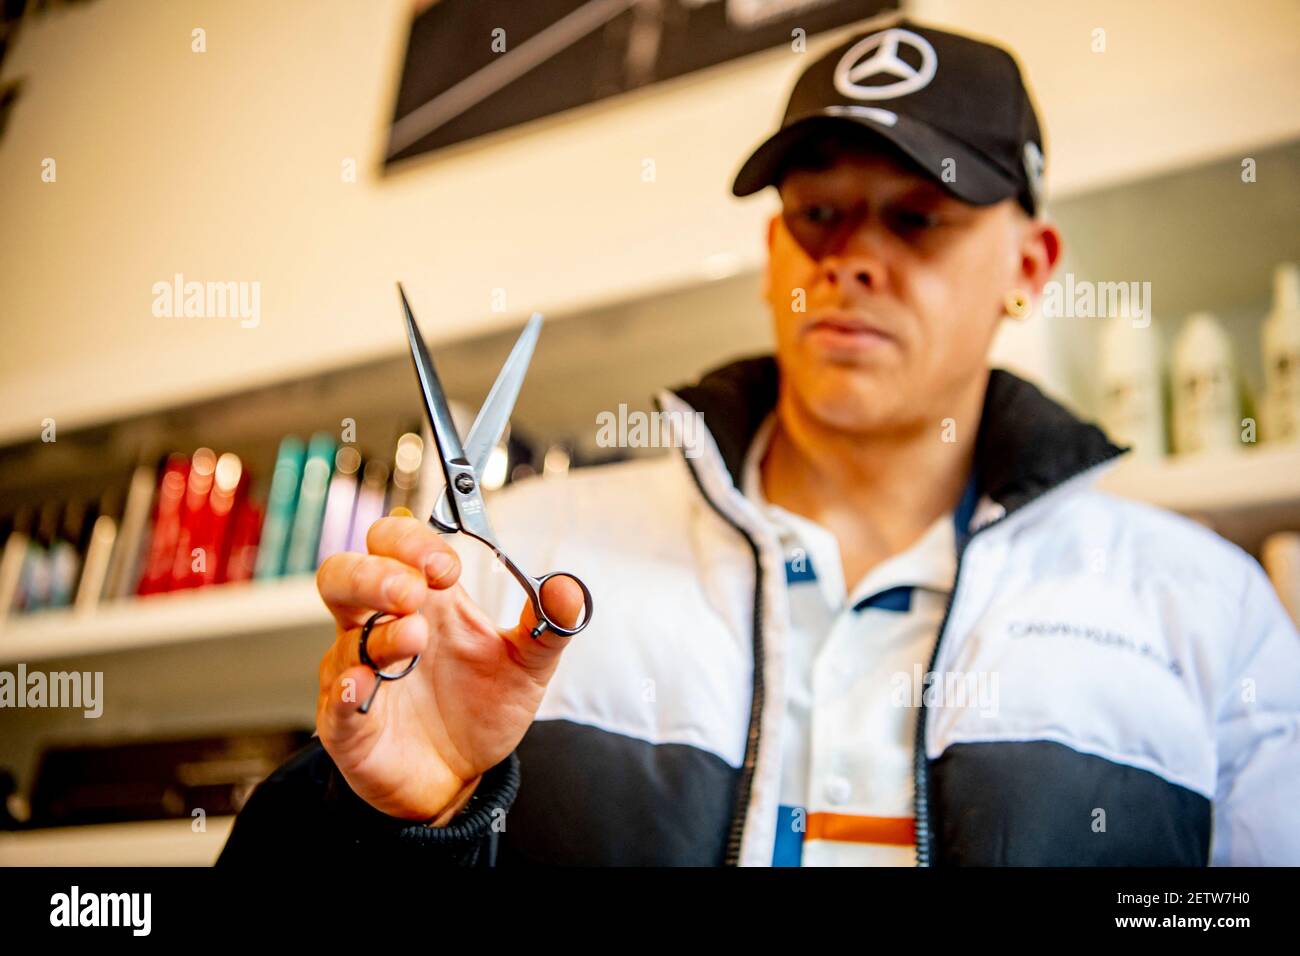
column 459, row 508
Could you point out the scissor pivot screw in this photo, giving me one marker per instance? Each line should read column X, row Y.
column 464, row 484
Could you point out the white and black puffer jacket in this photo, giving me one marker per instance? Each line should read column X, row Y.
column 1161, row 683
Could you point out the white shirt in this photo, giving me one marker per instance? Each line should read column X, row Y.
column 854, row 673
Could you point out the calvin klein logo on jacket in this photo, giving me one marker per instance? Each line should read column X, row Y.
column 1095, row 635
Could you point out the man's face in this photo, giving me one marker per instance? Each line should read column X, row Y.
column 886, row 291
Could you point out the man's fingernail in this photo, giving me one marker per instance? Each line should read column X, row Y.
column 438, row 564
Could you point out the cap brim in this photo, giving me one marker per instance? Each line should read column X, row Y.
column 971, row 178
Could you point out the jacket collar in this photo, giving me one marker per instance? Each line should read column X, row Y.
column 1027, row 443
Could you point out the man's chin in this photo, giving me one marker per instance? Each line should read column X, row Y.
column 855, row 421
column 853, row 403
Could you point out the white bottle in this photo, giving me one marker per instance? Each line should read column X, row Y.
column 1206, row 411
column 1280, row 343
column 1132, row 411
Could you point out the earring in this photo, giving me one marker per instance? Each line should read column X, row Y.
column 1016, row 302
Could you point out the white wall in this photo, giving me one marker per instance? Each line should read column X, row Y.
column 226, row 166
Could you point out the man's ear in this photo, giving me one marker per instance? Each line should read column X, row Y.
column 1040, row 251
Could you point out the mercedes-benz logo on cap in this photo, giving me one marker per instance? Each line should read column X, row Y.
column 877, row 55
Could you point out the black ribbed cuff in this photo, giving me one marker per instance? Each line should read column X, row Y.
column 463, row 835
column 489, row 803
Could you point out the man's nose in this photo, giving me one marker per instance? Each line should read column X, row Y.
column 853, row 275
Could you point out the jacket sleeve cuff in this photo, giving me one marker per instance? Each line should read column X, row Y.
column 465, row 834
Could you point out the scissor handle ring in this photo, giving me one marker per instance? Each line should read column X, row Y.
column 365, row 655
column 544, row 622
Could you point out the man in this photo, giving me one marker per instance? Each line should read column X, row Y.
column 879, row 618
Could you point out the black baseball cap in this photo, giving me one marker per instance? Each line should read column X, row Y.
column 957, row 107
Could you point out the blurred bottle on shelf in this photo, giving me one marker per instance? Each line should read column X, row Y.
column 406, row 471
column 281, row 506
column 1206, row 404
column 1280, row 343
column 34, row 580
column 304, row 537
column 370, row 503
column 340, row 503
column 166, row 525
column 230, row 483
column 14, row 557
column 132, row 540
column 190, row 555
column 245, row 536
column 66, row 550
column 100, row 543
column 1131, row 405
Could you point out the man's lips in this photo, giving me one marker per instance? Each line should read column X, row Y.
column 846, row 331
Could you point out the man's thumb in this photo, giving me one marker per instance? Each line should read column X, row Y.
column 562, row 600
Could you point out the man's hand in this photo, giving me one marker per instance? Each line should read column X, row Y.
column 430, row 735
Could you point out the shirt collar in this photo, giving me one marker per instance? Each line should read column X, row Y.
column 929, row 562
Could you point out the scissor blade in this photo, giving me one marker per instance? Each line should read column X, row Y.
column 435, row 401
column 495, row 413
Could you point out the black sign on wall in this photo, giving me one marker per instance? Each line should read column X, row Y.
column 477, row 66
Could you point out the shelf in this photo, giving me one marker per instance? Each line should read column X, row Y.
column 175, row 618
column 151, row 843
column 1213, row 482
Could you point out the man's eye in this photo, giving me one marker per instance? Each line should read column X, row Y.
column 910, row 220
column 819, row 215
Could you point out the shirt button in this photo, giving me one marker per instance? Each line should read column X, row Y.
column 837, row 790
